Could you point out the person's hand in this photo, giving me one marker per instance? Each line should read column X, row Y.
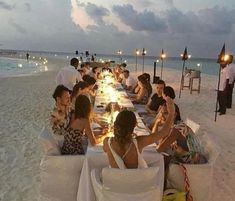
column 170, row 105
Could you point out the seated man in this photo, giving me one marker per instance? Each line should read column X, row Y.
column 60, row 116
column 130, row 81
column 79, row 89
column 156, row 99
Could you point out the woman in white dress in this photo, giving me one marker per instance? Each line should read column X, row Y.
column 123, row 150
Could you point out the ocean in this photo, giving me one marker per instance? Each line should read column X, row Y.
column 36, row 63
column 20, row 67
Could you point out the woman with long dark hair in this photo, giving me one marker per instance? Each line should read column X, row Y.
column 79, row 128
column 145, row 90
column 123, row 150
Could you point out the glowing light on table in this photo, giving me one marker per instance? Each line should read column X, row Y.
column 20, row 65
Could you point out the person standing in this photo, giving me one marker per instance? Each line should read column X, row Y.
column 69, row 76
column 231, row 74
column 223, row 89
column 27, row 56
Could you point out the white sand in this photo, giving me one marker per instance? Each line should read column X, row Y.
column 25, row 105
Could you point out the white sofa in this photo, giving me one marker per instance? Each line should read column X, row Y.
column 60, row 174
column 114, row 184
column 200, row 175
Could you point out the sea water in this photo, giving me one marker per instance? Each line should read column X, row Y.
column 17, row 67
column 22, row 66
column 205, row 65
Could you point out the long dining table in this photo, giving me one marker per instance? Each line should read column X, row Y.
column 109, row 90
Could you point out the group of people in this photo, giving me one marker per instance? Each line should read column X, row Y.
column 73, row 115
column 226, row 85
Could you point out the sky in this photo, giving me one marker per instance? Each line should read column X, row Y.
column 105, row 26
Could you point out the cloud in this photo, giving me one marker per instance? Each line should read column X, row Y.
column 17, row 27
column 88, row 16
column 139, row 21
column 79, row 15
column 179, row 22
column 27, row 7
column 170, row 2
column 96, row 12
column 217, row 20
column 6, row 6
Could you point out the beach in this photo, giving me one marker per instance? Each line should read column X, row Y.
column 26, row 103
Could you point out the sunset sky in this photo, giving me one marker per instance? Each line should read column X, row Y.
column 104, row 26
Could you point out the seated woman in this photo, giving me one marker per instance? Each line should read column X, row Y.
column 161, row 118
column 95, row 73
column 117, row 72
column 162, row 112
column 136, row 88
column 79, row 128
column 145, row 90
column 78, row 89
column 123, row 150
column 92, row 87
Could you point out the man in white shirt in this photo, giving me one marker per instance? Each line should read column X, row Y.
column 130, row 82
column 222, row 93
column 69, row 76
column 231, row 75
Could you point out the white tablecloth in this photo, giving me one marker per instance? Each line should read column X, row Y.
column 97, row 159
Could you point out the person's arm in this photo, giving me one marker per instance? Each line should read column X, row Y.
column 228, row 76
column 140, row 95
column 155, row 136
column 147, row 107
column 88, row 131
column 90, row 134
column 92, row 93
column 120, row 77
column 105, row 144
column 137, row 88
